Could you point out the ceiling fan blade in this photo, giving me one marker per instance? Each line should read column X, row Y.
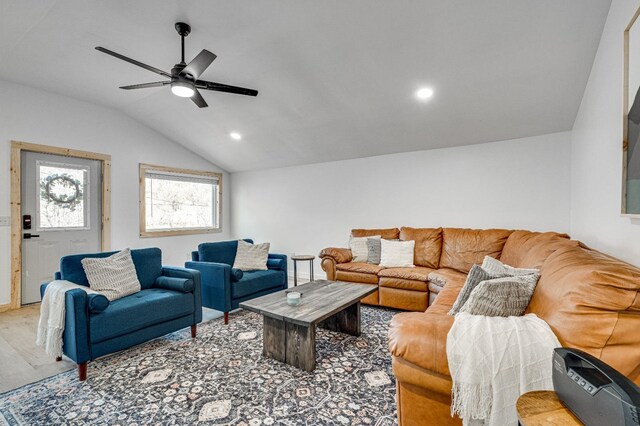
column 210, row 85
column 198, row 64
column 199, row 100
column 133, row 61
column 146, row 85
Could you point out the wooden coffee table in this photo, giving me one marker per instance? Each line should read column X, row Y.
column 289, row 333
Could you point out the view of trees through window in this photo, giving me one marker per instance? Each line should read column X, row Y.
column 179, row 203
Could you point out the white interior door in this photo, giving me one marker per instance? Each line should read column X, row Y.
column 62, row 197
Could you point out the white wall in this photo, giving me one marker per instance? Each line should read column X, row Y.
column 597, row 149
column 520, row 183
column 40, row 117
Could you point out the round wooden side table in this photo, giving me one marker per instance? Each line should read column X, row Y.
column 543, row 408
column 296, row 259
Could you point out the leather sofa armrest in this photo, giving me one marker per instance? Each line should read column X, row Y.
column 339, row 255
column 421, row 339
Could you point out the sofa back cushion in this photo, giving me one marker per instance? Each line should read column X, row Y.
column 219, row 252
column 386, row 233
column 148, row 263
column 591, row 301
column 428, row 245
column 526, row 249
column 462, row 248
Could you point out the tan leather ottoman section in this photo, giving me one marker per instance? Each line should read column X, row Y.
column 407, row 300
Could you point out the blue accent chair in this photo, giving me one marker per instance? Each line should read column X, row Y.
column 170, row 300
column 225, row 287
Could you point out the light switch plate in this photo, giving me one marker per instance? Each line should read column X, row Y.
column 5, row 220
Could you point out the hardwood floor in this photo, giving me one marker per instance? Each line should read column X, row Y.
column 21, row 361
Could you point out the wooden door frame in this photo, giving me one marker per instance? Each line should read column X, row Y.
column 17, row 147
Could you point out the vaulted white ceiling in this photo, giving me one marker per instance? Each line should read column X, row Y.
column 336, row 77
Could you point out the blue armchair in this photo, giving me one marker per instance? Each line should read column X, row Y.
column 170, row 299
column 225, row 287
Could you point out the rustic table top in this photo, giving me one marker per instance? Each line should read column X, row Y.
column 320, row 299
column 543, row 408
column 303, row 257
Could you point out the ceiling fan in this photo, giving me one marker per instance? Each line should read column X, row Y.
column 183, row 78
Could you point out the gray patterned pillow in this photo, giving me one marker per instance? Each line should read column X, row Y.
column 499, row 269
column 501, row 297
column 374, row 248
column 476, row 276
column 114, row 276
column 360, row 248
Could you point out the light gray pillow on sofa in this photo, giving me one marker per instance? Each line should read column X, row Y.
column 251, row 257
column 476, row 276
column 496, row 268
column 114, row 276
column 501, row 297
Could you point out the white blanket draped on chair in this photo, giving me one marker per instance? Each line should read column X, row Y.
column 494, row 360
column 52, row 314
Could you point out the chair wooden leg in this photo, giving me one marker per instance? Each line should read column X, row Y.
column 82, row 371
column 226, row 318
column 58, row 358
column 194, row 327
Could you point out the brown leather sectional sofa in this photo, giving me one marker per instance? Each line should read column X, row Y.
column 590, row 300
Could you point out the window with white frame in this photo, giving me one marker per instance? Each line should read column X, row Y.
column 178, row 201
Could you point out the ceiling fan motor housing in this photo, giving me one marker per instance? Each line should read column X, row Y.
column 183, row 29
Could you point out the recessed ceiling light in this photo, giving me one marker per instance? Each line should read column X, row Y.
column 424, row 93
column 235, row 136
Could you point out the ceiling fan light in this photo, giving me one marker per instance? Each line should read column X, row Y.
column 184, row 89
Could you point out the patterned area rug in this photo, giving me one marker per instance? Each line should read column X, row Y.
column 222, row 378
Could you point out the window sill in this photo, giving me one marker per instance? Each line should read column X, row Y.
column 171, row 233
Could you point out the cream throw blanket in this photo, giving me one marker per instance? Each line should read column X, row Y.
column 494, row 360
column 52, row 313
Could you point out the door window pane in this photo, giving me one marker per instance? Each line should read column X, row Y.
column 63, row 190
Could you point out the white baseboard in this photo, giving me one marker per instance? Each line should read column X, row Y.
column 304, row 277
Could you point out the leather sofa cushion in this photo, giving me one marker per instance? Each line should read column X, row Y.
column 591, row 300
column 442, row 276
column 404, row 284
column 257, row 281
column 139, row 310
column 428, row 245
column 462, row 248
column 363, row 267
column 526, row 249
column 421, row 339
column 417, row 273
column 447, row 296
column 357, row 277
column 387, row 234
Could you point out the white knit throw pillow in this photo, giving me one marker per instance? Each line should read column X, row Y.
column 396, row 254
column 359, row 248
column 251, row 257
column 114, row 276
